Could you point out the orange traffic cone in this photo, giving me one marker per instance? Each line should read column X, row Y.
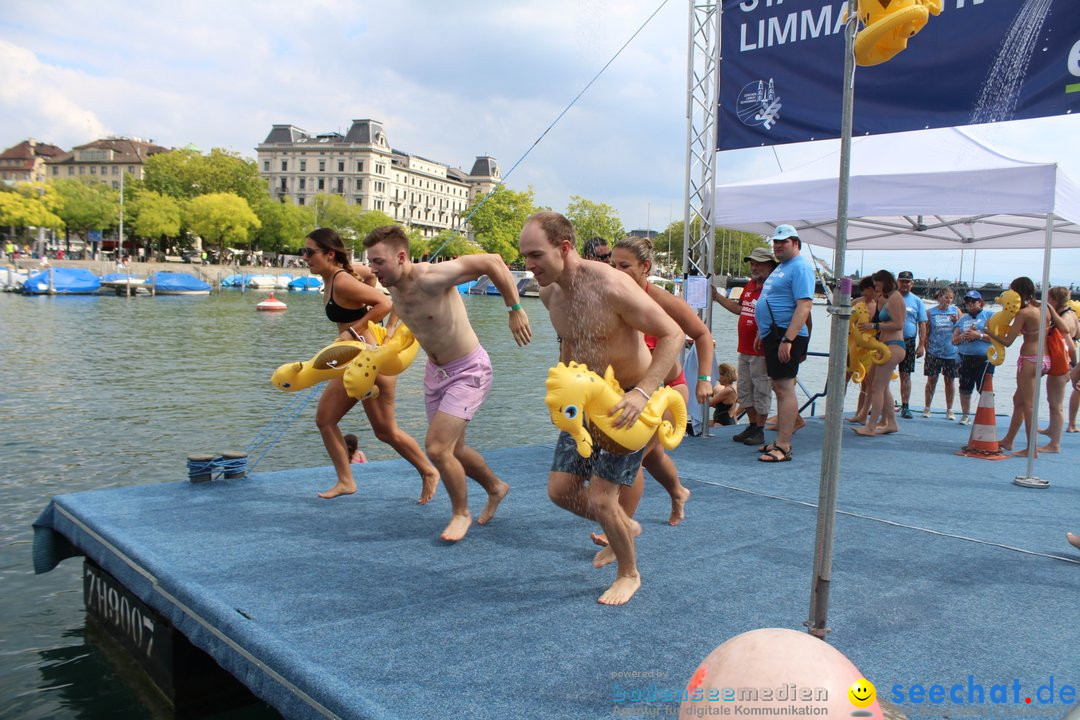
column 983, row 442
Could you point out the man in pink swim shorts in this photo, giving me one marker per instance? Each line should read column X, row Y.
column 458, row 375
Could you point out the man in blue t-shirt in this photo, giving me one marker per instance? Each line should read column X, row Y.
column 915, row 320
column 782, row 312
column 969, row 336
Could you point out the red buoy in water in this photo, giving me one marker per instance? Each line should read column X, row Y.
column 271, row 304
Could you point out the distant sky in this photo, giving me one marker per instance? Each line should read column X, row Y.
column 450, row 81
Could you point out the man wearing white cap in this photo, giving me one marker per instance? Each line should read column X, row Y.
column 782, row 312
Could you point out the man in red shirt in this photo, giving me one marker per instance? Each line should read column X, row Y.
column 755, row 390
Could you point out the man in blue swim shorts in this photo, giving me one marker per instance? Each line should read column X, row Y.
column 601, row 316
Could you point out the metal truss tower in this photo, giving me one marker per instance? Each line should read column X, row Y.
column 702, row 98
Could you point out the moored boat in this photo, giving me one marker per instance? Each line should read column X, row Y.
column 174, row 283
column 62, row 281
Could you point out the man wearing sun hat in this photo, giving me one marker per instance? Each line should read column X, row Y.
column 754, row 388
column 782, row 312
column 916, row 322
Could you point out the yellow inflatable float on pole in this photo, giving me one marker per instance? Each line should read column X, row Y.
column 887, row 26
column 357, row 363
column 579, row 401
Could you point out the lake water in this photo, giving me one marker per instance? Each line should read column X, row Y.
column 103, row 391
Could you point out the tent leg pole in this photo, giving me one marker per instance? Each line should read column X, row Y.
column 817, row 623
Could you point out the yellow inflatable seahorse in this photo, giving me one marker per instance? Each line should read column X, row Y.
column 391, row 357
column 335, row 359
column 576, row 395
column 887, row 26
column 864, row 348
column 999, row 324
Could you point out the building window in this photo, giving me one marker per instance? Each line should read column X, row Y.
column 55, row 170
column 284, row 185
column 341, row 166
column 380, row 186
column 300, row 200
column 359, row 199
column 303, row 165
column 116, row 185
column 380, row 169
column 284, row 166
column 359, row 183
column 115, row 169
column 93, row 169
column 131, row 169
column 322, row 184
column 322, row 166
column 359, row 166
column 71, row 170
column 266, row 166
column 303, row 183
column 340, row 185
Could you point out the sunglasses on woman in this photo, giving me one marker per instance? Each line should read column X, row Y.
column 306, row 252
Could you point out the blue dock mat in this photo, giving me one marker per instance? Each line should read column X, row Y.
column 352, row 607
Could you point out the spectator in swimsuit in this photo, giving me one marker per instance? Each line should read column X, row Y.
column 1029, row 366
column 1066, row 326
column 724, row 395
column 351, row 302
column 890, row 327
column 352, row 446
column 459, row 373
column 867, row 296
column 601, row 315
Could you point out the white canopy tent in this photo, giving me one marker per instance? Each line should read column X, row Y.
column 924, row 190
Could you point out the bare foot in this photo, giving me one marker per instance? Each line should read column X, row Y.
column 340, row 488
column 886, row 429
column 857, row 420
column 620, row 591
column 492, row 504
column 1022, row 453
column 598, row 539
column 459, row 525
column 1049, row 448
column 865, row 432
column 1072, row 429
column 678, row 507
column 1044, row 431
column 427, row 490
column 1074, row 540
column 607, row 555
column 1003, row 446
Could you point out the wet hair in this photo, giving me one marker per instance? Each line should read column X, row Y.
column 329, row 241
column 943, row 291
column 887, row 280
column 1059, row 295
column 351, row 444
column 588, row 250
column 1024, row 287
column 640, row 247
column 867, row 283
column 392, row 235
column 555, row 226
column 727, row 370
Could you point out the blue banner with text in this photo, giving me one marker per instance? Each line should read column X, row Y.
column 979, row 61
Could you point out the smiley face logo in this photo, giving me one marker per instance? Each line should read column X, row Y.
column 862, row 693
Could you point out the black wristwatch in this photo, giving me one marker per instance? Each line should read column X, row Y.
column 786, row 339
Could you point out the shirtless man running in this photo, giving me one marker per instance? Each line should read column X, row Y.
column 600, row 316
column 458, row 375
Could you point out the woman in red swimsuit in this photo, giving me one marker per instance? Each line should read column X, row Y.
column 351, row 302
column 633, row 256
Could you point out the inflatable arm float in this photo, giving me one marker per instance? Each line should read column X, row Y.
column 999, row 324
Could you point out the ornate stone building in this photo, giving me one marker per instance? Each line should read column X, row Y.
column 362, row 167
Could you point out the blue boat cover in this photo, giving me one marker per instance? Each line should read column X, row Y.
column 177, row 282
column 306, row 282
column 120, row 277
column 65, row 281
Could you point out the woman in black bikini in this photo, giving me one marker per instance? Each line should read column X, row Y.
column 351, row 302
